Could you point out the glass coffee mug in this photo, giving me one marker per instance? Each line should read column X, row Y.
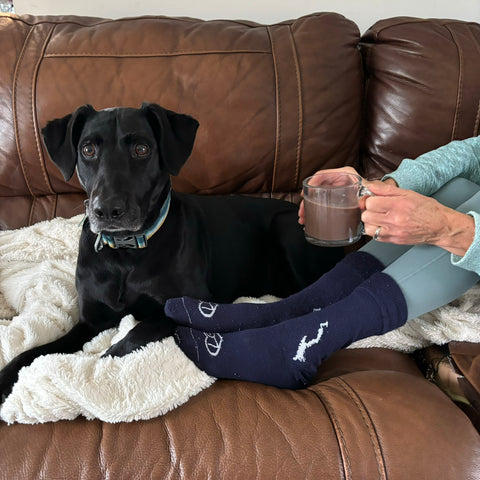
column 332, row 212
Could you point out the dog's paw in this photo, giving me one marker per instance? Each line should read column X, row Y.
column 9, row 373
column 8, row 377
column 119, row 349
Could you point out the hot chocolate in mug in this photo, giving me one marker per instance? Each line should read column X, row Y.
column 332, row 212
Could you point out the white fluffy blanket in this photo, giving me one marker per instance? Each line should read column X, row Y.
column 38, row 303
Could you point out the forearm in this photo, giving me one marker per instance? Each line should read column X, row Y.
column 433, row 169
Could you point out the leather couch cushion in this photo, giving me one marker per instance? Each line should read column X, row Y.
column 422, row 84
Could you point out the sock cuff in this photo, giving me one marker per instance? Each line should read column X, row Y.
column 364, row 261
column 389, row 296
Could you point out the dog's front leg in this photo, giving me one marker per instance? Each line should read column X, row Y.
column 69, row 343
column 148, row 330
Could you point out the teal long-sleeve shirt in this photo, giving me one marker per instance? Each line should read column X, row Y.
column 432, row 170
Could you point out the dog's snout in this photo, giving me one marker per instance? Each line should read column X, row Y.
column 109, row 214
column 114, row 209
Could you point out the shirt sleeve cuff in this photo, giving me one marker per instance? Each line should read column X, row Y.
column 405, row 176
column 471, row 259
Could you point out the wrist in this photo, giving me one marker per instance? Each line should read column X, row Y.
column 459, row 233
column 390, row 181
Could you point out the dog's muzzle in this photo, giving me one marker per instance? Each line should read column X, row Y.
column 135, row 240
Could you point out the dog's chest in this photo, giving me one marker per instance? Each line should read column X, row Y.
column 129, row 281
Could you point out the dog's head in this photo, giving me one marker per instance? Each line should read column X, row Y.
column 124, row 158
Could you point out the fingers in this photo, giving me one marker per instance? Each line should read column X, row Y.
column 314, row 182
column 379, row 233
column 380, row 212
column 405, row 217
column 301, row 213
column 385, row 198
column 384, row 188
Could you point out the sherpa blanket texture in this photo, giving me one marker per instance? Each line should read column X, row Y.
column 38, row 303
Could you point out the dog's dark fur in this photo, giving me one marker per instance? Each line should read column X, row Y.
column 213, row 248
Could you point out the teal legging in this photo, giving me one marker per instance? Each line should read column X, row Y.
column 425, row 273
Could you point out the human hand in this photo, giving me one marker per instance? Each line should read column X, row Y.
column 405, row 217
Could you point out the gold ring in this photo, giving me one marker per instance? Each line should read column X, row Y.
column 377, row 233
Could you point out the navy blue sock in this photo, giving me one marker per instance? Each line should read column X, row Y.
column 329, row 288
column 288, row 354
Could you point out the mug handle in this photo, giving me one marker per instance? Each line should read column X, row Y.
column 365, row 191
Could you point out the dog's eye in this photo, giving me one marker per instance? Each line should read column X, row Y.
column 88, row 150
column 141, row 149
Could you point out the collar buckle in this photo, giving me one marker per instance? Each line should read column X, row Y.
column 131, row 241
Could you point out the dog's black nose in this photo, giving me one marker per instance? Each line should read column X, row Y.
column 114, row 214
column 109, row 212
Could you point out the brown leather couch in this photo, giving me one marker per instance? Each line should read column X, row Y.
column 275, row 104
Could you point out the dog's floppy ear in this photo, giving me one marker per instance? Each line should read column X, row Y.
column 175, row 135
column 61, row 137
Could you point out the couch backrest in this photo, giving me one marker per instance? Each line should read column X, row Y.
column 422, row 88
column 275, row 103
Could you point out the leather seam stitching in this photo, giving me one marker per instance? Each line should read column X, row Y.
column 278, row 121
column 477, row 121
column 299, row 108
column 368, row 425
column 33, row 111
column 347, row 467
column 32, row 210
column 477, row 118
column 54, row 206
column 460, row 81
column 157, row 54
column 130, row 19
column 14, row 108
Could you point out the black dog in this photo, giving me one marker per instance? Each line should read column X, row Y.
column 142, row 243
